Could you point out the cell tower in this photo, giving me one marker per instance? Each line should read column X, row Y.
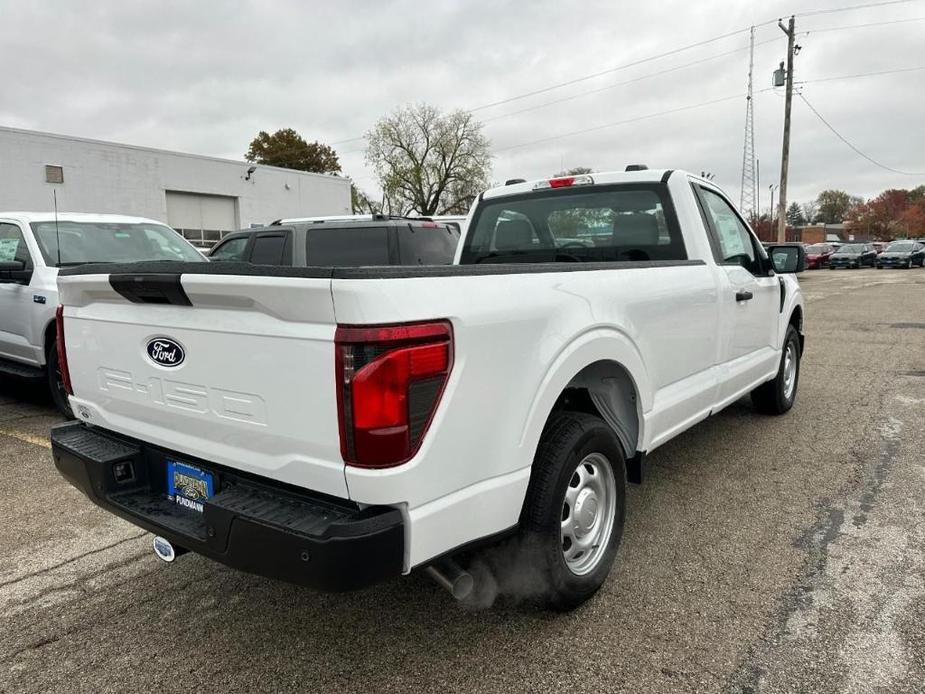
column 749, row 196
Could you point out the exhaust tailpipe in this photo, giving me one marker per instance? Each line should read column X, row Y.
column 451, row 576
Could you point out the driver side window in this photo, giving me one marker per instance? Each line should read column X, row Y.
column 232, row 249
column 732, row 236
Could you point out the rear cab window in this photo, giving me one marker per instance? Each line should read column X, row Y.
column 602, row 223
column 347, row 246
column 426, row 244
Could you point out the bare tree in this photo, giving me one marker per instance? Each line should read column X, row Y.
column 575, row 171
column 810, row 210
column 428, row 162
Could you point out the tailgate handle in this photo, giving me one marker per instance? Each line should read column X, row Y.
column 743, row 295
column 151, row 288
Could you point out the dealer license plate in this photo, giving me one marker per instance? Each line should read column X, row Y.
column 188, row 486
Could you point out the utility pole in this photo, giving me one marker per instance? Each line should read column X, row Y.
column 785, row 154
column 771, row 188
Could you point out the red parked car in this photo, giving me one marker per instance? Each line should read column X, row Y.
column 817, row 255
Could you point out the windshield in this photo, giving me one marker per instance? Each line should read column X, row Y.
column 851, row 250
column 596, row 224
column 903, row 247
column 817, row 248
column 102, row 242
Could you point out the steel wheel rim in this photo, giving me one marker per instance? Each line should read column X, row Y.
column 588, row 513
column 790, row 371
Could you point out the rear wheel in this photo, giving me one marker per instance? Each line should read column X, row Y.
column 572, row 520
column 56, row 385
column 777, row 396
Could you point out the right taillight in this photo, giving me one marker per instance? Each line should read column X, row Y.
column 389, row 382
column 62, row 350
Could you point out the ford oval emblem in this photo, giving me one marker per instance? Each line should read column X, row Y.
column 165, row 352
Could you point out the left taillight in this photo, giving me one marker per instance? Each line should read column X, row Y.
column 62, row 350
column 389, row 382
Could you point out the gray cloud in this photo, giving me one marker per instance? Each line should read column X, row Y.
column 205, row 77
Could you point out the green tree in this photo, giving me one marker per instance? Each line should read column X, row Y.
column 834, row 206
column 429, row 162
column 289, row 150
column 795, row 216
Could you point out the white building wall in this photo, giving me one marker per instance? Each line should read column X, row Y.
column 113, row 178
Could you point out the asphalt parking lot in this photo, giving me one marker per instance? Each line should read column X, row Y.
column 761, row 555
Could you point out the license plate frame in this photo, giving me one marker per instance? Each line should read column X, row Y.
column 189, row 486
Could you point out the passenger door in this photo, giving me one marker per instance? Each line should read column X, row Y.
column 749, row 302
column 15, row 298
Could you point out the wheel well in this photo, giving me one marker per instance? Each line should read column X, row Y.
column 796, row 320
column 51, row 331
column 606, row 390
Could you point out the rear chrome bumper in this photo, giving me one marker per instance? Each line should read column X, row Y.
column 264, row 528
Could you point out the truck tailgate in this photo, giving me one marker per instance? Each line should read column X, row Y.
column 253, row 383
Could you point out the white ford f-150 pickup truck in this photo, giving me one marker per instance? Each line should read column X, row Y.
column 335, row 427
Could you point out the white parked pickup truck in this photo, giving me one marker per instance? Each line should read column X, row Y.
column 335, row 427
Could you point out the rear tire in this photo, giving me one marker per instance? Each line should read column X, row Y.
column 777, row 396
column 58, row 396
column 572, row 520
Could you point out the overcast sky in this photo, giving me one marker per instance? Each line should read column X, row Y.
column 205, row 77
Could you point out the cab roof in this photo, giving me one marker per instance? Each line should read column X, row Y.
column 27, row 217
column 598, row 178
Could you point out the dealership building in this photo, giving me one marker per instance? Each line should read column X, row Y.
column 202, row 197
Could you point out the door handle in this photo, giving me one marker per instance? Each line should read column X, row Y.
column 743, row 295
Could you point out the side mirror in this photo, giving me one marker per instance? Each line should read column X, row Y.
column 14, row 272
column 787, row 258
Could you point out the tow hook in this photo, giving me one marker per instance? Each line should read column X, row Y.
column 450, row 575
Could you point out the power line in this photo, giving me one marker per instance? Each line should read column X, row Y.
column 697, row 44
column 693, row 106
column 841, row 137
column 608, row 71
column 620, row 122
column 863, row 74
column 811, row 13
column 859, row 26
column 658, row 56
column 625, row 82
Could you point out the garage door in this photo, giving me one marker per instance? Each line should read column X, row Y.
column 201, row 218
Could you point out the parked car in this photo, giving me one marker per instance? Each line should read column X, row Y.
column 33, row 246
column 817, row 255
column 879, row 246
column 379, row 240
column 510, row 395
column 902, row 254
column 853, row 255
column 459, row 221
